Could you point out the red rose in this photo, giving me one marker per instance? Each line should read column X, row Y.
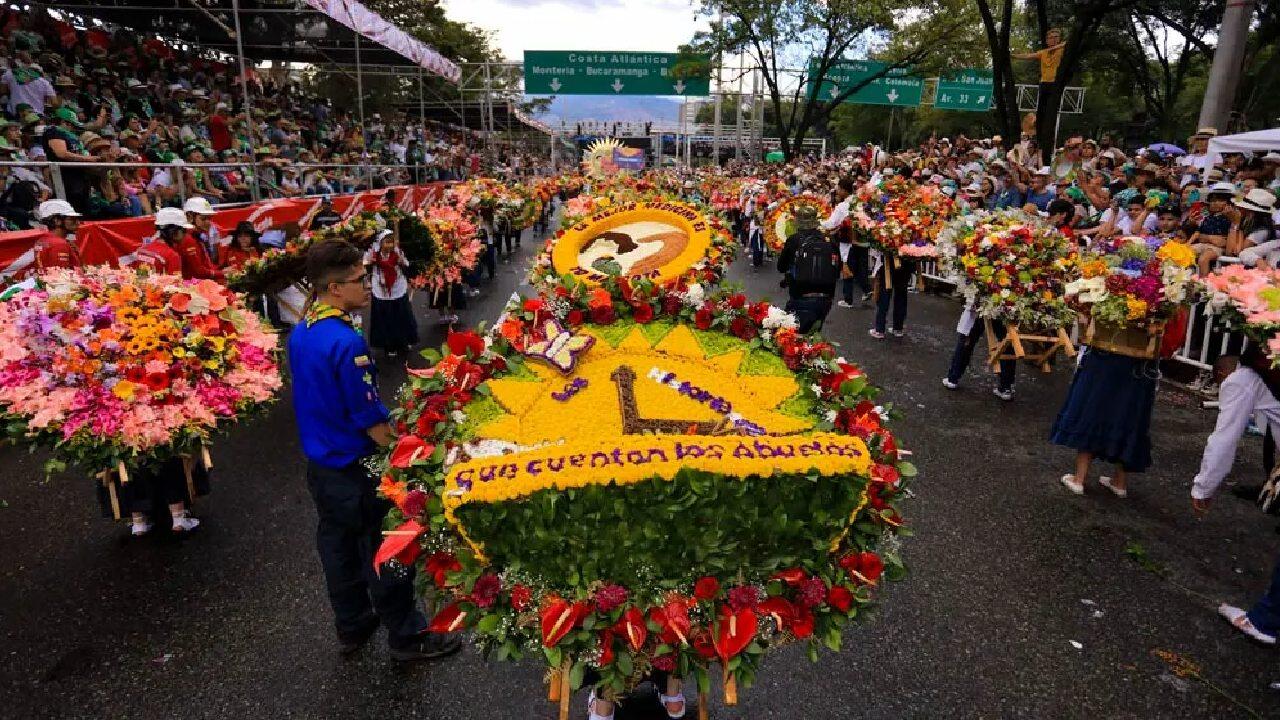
column 521, row 596
column 702, row 318
column 603, row 315
column 742, row 328
column 575, row 317
column 665, row 663
column 737, row 301
column 643, row 313
column 759, row 311
column 485, row 590
column 706, row 588
column 671, row 304
column 414, row 503
column 840, row 598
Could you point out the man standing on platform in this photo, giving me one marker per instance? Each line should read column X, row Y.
column 342, row 422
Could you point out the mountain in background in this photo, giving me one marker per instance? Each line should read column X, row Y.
column 625, row 108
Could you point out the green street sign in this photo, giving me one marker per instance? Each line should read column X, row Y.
column 896, row 88
column 969, row 89
column 603, row 72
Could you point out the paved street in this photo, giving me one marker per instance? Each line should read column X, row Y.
column 1023, row 601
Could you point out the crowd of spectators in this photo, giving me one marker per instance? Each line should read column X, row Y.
column 98, row 96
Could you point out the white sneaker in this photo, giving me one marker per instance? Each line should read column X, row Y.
column 946, row 383
column 185, row 523
column 1005, row 395
column 140, row 529
column 1105, row 482
column 1240, row 620
column 1069, row 482
column 845, row 303
column 591, row 708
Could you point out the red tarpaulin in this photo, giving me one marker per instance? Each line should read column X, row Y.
column 112, row 242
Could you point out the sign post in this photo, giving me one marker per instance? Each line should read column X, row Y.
column 968, row 90
column 600, row 72
column 896, row 88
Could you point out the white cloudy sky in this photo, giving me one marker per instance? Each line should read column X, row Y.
column 519, row 25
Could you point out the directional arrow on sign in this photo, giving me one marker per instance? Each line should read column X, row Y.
column 982, row 99
column 679, row 86
column 555, row 85
column 893, row 95
column 835, row 91
column 617, row 85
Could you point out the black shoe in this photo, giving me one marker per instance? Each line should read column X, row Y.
column 428, row 647
column 350, row 642
column 1247, row 492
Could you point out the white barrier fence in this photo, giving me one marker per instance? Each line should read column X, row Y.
column 1205, row 340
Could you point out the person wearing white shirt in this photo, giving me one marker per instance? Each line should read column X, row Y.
column 853, row 258
column 27, row 85
column 392, row 326
column 1126, row 222
column 1243, row 395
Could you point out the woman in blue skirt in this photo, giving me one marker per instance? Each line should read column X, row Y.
column 1107, row 416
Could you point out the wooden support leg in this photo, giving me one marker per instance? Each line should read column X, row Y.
column 565, row 693
column 702, row 706
column 1015, row 340
column 730, row 689
column 553, row 686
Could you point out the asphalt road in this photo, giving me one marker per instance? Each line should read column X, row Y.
column 1022, row 602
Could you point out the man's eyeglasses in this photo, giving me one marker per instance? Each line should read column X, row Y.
column 364, row 280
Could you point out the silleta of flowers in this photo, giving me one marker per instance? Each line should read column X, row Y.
column 661, row 240
column 456, row 248
column 120, row 366
column 780, row 223
column 900, row 217
column 543, row 506
column 1011, row 267
column 277, row 268
column 1248, row 300
column 1133, row 282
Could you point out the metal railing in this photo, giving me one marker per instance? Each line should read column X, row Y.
column 366, row 172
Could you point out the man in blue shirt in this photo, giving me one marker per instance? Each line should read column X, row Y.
column 342, row 422
column 1039, row 193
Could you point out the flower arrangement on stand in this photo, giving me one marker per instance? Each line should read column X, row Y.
column 638, row 402
column 456, row 248
column 277, row 268
column 1011, row 267
column 1248, row 300
column 902, row 218
column 1130, row 288
column 121, row 367
column 780, row 222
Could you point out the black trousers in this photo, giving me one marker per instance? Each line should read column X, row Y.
column 347, row 537
column 810, row 310
column 859, row 265
column 900, row 278
column 963, row 354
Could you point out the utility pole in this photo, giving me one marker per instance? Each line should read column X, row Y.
column 1224, row 76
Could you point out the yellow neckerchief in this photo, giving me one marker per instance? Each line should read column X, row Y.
column 321, row 311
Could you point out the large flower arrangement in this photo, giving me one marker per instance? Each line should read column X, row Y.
column 1248, row 300
column 704, row 259
column 456, row 248
column 278, row 268
column 780, row 223
column 903, row 218
column 1133, row 282
column 108, row 366
column 776, row 545
column 1011, row 267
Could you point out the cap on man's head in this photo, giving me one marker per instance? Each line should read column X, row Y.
column 66, row 115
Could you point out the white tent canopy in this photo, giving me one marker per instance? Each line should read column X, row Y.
column 1258, row 142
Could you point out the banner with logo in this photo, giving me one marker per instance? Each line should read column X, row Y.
column 112, row 242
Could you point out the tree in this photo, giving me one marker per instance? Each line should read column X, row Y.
column 1003, row 86
column 797, row 43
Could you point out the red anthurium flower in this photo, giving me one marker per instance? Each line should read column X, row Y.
column 779, row 609
column 802, row 623
column 840, row 598
column 465, row 343
column 606, row 647
column 706, row 588
column 426, row 424
column 632, row 627
column 450, row 619
column 401, row 544
column 733, row 632
column 864, row 567
column 575, row 317
column 410, row 449
column 701, row 642
column 673, row 618
column 886, row 474
column 534, row 305
column 560, row 617
column 791, row 576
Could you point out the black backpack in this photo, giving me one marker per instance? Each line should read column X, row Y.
column 817, row 261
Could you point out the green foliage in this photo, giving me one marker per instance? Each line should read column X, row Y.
column 656, row 530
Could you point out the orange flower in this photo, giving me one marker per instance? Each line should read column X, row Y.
column 180, row 302
column 600, row 298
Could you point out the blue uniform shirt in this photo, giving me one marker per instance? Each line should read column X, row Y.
column 335, row 390
column 1041, row 200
